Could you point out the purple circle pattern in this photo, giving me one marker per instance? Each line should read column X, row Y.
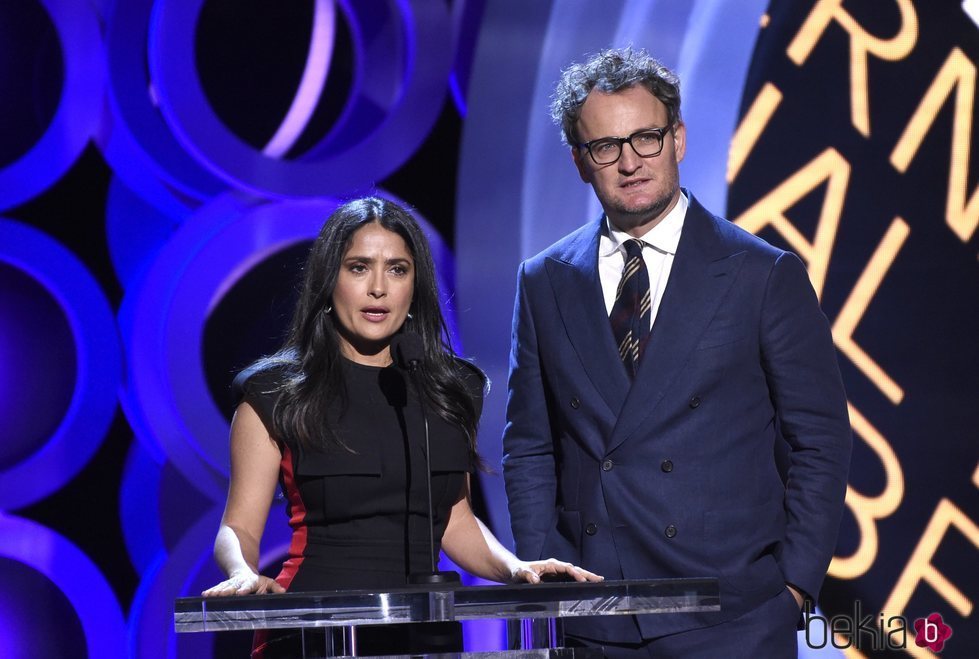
column 93, row 401
column 134, row 137
column 77, row 116
column 75, row 575
column 406, row 87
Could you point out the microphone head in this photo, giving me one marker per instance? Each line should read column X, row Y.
column 408, row 349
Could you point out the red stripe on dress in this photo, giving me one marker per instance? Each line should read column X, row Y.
column 297, row 520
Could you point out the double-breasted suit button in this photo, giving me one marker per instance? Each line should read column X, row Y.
column 575, row 403
column 670, row 531
column 695, row 402
column 591, row 528
column 607, row 465
column 666, row 466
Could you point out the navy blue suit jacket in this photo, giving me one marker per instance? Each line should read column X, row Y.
column 675, row 474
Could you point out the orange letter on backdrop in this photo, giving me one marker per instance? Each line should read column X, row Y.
column 861, row 43
column 958, row 73
column 829, row 167
column 868, row 509
column 919, row 568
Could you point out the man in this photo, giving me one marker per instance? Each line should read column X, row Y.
column 661, row 359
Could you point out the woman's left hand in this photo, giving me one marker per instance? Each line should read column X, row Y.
column 536, row 571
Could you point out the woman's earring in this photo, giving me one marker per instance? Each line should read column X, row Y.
column 410, row 317
column 328, row 310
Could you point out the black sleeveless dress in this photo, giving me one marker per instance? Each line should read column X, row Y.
column 359, row 517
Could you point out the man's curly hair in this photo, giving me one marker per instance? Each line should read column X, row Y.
column 611, row 70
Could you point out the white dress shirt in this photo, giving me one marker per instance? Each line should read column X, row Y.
column 658, row 252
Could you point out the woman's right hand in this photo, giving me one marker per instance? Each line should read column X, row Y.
column 244, row 583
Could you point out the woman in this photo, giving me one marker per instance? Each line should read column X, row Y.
column 341, row 429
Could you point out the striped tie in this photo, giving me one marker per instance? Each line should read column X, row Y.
column 630, row 315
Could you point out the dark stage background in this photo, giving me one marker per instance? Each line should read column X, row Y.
column 165, row 163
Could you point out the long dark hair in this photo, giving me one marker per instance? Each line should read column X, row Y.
column 311, row 358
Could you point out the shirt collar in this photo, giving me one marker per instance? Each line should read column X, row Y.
column 664, row 237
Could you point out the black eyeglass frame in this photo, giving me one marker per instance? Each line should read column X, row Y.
column 661, row 132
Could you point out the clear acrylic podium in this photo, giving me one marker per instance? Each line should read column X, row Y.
column 533, row 612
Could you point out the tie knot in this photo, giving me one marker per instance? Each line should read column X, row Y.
column 633, row 248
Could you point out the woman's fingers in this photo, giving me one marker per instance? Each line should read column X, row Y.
column 527, row 574
column 244, row 585
column 554, row 566
column 534, row 571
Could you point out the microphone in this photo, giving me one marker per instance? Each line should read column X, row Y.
column 409, row 353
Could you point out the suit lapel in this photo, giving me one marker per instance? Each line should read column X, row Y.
column 702, row 273
column 576, row 285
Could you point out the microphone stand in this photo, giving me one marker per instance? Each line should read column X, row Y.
column 435, row 577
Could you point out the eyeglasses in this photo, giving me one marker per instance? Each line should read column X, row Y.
column 647, row 143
